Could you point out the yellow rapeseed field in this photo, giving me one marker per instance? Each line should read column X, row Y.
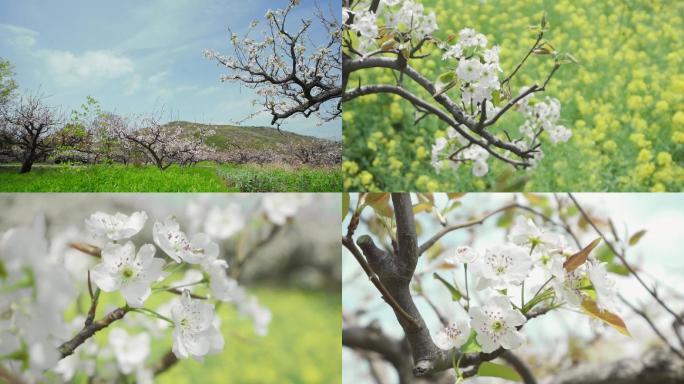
column 624, row 102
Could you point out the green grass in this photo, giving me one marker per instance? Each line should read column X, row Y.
column 250, row 178
column 201, row 178
column 110, row 178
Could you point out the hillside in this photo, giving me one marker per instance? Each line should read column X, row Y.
column 262, row 138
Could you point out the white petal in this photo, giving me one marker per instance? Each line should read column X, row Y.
column 488, row 345
column 512, row 339
column 135, row 293
column 101, row 277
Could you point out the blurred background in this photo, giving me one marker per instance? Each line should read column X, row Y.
column 563, row 341
column 295, row 274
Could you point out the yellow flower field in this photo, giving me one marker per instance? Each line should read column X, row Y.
column 624, row 103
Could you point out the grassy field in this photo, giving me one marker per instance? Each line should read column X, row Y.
column 249, row 178
column 201, row 178
column 624, row 102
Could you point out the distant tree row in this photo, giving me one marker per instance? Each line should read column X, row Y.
column 32, row 131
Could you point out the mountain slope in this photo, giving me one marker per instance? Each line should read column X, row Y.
column 228, row 136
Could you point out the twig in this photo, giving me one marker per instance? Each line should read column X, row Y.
column 88, row 331
column 624, row 261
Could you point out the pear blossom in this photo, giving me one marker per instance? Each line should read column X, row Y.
column 122, row 269
column 567, row 285
column 222, row 223
column 194, row 334
column 502, row 265
column 525, row 233
column 117, row 226
column 453, row 335
column 495, row 324
column 130, row 351
column 278, row 207
column 175, row 243
column 469, row 70
column 466, row 255
column 606, row 293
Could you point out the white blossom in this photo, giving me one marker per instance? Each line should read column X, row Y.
column 117, row 226
column 502, row 265
column 606, row 293
column 194, row 334
column 130, row 351
column 278, row 207
column 495, row 324
column 466, row 255
column 121, row 269
column 453, row 335
column 223, row 223
column 175, row 243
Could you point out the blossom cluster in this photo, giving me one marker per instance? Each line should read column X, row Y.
column 499, row 268
column 408, row 20
column 41, row 275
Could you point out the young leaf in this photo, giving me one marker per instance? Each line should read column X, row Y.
column 455, row 196
column 589, row 306
column 580, row 257
column 489, row 369
column 422, row 207
column 566, row 58
column 618, row 269
column 636, row 237
column 345, row 204
column 455, row 293
column 380, row 203
column 445, row 82
column 471, row 346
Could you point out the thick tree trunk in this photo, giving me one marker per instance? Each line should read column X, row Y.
column 26, row 165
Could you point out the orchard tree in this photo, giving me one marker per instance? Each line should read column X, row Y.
column 163, row 144
column 28, row 126
column 315, row 152
column 170, row 289
column 557, row 255
column 294, row 70
column 469, row 98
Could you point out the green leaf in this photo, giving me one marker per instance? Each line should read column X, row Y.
column 634, row 239
column 455, row 293
column 445, row 82
column 605, row 254
column 489, row 369
column 471, row 346
column 345, row 204
column 566, row 58
column 618, row 269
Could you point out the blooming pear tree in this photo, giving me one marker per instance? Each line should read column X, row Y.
column 27, row 128
column 163, row 144
column 292, row 69
column 169, row 290
column 546, row 263
column 469, row 98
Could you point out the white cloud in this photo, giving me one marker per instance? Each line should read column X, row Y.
column 18, row 36
column 89, row 67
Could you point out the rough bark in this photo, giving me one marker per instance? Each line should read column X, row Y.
column 656, row 367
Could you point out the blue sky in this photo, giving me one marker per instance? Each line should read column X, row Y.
column 139, row 56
